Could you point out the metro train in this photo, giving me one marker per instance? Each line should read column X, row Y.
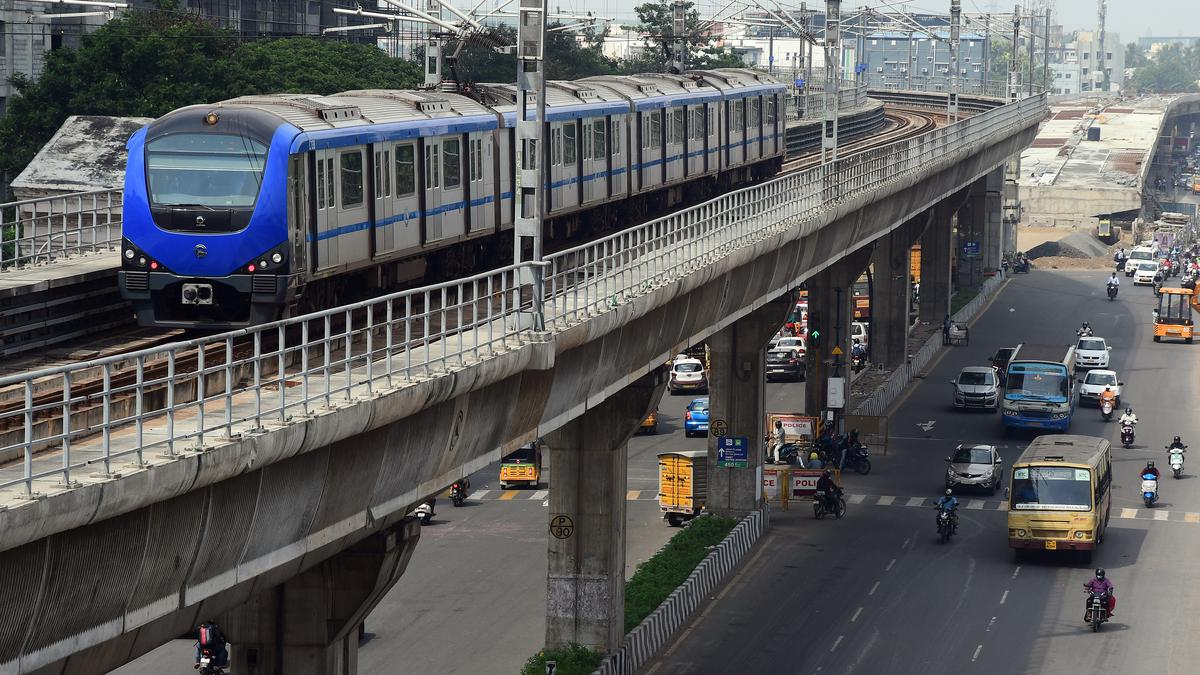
column 240, row 212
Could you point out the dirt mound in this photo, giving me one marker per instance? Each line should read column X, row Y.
column 1074, row 245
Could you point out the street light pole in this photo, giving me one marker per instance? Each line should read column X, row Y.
column 833, row 70
column 1014, row 85
column 955, row 34
column 530, row 155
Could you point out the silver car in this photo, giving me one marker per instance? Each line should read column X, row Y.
column 977, row 387
column 975, row 466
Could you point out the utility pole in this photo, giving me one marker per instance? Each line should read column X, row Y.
column 833, row 71
column 771, row 50
column 955, row 34
column 530, row 155
column 808, row 46
column 433, row 49
column 678, row 33
column 1101, row 11
column 987, row 54
column 1032, row 40
column 912, row 65
column 1046, row 55
column 1014, row 81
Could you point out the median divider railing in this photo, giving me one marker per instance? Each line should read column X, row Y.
column 44, row 229
column 186, row 394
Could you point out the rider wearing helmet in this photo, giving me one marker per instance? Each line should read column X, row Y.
column 1149, row 469
column 948, row 502
column 1129, row 417
column 1085, row 330
column 1101, row 584
column 1176, row 443
column 825, row 484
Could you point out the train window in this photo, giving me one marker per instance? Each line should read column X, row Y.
column 570, row 145
column 556, row 146
column 585, row 140
column 452, row 162
column 738, row 123
column 696, row 123
column 616, row 135
column 384, row 173
column 599, row 142
column 329, row 182
column 677, row 124
column 652, row 129
column 204, row 170
column 755, row 112
column 476, row 166
column 771, row 111
column 352, row 179
column 320, row 184
column 432, row 167
column 406, row 170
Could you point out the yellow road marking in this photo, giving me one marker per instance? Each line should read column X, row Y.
column 511, row 494
column 632, row 495
column 1191, row 517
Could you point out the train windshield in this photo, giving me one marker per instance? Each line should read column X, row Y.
column 213, row 170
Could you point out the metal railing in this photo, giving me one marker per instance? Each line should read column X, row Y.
column 809, row 103
column 967, row 87
column 183, row 395
column 49, row 228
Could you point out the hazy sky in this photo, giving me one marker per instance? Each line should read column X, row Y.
column 1131, row 18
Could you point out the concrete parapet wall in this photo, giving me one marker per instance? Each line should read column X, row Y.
column 107, row 571
column 654, row 633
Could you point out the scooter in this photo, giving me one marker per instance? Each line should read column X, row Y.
column 1021, row 266
column 1106, row 409
column 1149, row 489
column 458, row 492
column 208, row 663
column 1127, row 435
column 424, row 512
column 1112, row 292
column 1175, row 459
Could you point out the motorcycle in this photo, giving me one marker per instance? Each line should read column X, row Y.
column 821, row 508
column 458, row 492
column 1127, row 435
column 856, row 458
column 1097, row 610
column 856, row 362
column 424, row 512
column 1112, row 292
column 1120, row 265
column 1149, row 489
column 945, row 524
column 788, row 454
column 1021, row 266
column 208, row 663
column 1175, row 459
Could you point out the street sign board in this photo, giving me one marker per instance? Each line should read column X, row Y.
column 971, row 249
column 836, row 392
column 733, row 452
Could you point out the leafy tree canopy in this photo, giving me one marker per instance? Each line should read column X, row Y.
column 1173, row 70
column 569, row 55
column 657, row 24
column 147, row 63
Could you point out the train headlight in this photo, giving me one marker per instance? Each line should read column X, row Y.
column 211, row 118
column 129, row 254
column 262, row 264
column 277, row 257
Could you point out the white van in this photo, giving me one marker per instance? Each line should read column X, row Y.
column 1136, row 257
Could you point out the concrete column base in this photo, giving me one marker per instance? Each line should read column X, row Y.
column 309, row 624
column 830, row 298
column 892, row 292
column 936, row 257
column 585, row 583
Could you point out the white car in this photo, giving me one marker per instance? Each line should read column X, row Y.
column 1095, row 382
column 858, row 331
column 796, row 344
column 1091, row 352
column 1137, row 256
column 687, row 374
column 1145, row 273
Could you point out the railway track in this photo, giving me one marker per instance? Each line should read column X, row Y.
column 47, row 402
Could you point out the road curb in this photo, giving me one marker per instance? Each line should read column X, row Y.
column 654, row 633
column 878, row 403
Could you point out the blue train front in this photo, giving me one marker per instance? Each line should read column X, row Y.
column 205, row 219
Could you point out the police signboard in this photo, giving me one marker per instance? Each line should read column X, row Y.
column 733, row 452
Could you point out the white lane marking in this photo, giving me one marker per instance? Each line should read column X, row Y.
column 1000, row 506
column 546, row 503
column 836, row 642
column 1161, row 515
column 873, row 589
column 479, row 494
column 905, row 544
column 976, row 654
column 1016, row 572
column 540, row 494
column 855, row 499
column 990, row 624
column 856, row 613
column 1004, row 597
column 916, row 501
column 1129, row 513
column 885, row 501
column 889, row 567
column 975, row 504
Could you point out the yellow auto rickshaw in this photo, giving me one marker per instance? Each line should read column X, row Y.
column 522, row 466
column 1173, row 318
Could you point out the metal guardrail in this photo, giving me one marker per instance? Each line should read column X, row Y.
column 182, row 395
column 48, row 228
column 809, row 103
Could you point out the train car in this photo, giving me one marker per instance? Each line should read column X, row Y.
column 239, row 212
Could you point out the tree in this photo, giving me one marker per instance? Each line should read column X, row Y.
column 569, row 55
column 657, row 25
column 148, row 63
column 1173, row 70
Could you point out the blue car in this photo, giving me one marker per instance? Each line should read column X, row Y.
column 695, row 420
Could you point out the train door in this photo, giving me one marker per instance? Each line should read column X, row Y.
column 454, row 212
column 712, row 158
column 325, row 242
column 595, row 159
column 431, row 187
column 381, row 193
column 675, row 149
column 618, row 156
column 406, row 204
column 695, row 135
column 299, row 214
column 480, row 183
column 354, row 232
column 753, row 128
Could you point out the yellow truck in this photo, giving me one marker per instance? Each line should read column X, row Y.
column 682, row 484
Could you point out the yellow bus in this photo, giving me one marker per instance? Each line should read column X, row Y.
column 1060, row 495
